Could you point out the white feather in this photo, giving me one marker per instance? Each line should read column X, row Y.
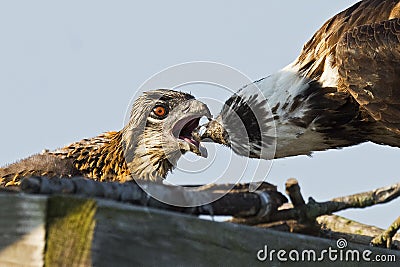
column 330, row 75
column 280, row 89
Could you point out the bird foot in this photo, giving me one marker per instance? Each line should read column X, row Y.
column 13, row 183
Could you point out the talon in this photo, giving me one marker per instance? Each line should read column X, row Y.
column 13, row 183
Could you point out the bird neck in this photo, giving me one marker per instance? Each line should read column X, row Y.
column 101, row 158
column 107, row 159
column 147, row 158
column 149, row 166
column 309, row 117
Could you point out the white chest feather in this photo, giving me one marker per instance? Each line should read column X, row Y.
column 285, row 94
column 281, row 90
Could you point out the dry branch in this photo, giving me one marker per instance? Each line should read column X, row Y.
column 293, row 190
column 237, row 202
column 314, row 217
column 334, row 226
column 313, row 209
column 386, row 237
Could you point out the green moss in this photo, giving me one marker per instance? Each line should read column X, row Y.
column 70, row 228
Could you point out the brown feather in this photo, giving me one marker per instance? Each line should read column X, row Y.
column 369, row 69
column 143, row 149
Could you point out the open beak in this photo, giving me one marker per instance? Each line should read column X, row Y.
column 183, row 129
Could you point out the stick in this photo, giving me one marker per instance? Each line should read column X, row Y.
column 293, row 190
column 385, row 238
column 313, row 209
column 238, row 202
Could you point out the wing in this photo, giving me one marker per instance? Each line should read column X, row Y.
column 79, row 158
column 368, row 60
column 321, row 48
column 37, row 165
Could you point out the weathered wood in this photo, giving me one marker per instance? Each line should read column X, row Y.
column 293, row 191
column 22, row 229
column 206, row 243
column 70, row 227
column 386, row 237
column 127, row 235
column 96, row 232
column 337, row 226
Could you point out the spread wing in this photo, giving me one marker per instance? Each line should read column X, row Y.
column 368, row 60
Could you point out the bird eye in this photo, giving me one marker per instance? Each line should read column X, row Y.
column 160, row 111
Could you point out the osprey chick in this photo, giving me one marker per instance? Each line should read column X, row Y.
column 148, row 147
column 343, row 89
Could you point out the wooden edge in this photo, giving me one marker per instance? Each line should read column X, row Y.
column 87, row 231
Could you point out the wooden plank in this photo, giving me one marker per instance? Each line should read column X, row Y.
column 93, row 232
column 22, row 229
column 134, row 236
column 70, row 226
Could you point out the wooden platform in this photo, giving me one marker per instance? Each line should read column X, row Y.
column 74, row 231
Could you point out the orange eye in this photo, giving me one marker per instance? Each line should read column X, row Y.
column 160, row 111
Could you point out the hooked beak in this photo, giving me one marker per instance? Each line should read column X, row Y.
column 184, row 128
column 212, row 130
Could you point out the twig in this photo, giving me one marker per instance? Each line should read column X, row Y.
column 310, row 219
column 313, row 209
column 386, row 237
column 293, row 190
column 335, row 226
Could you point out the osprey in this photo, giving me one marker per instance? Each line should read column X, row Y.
column 343, row 89
column 148, row 147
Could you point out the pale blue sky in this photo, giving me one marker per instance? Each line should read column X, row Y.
column 69, row 69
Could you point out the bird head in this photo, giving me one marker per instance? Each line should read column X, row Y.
column 160, row 131
column 244, row 124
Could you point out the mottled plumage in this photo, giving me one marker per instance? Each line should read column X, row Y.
column 148, row 147
column 343, row 89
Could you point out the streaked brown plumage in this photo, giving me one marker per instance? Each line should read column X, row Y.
column 342, row 90
column 148, row 147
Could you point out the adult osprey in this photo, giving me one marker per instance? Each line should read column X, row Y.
column 343, row 89
column 148, row 147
